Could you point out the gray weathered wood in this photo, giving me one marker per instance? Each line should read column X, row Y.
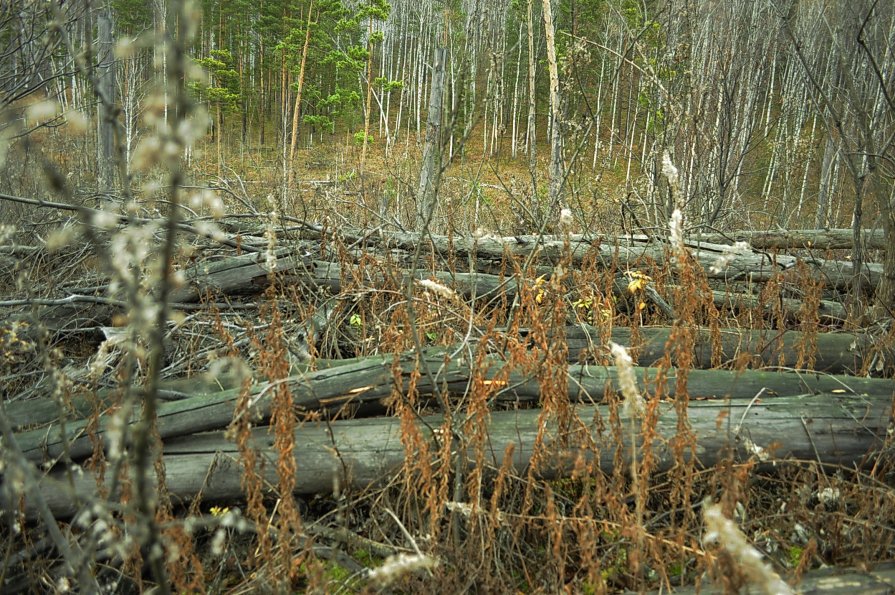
column 827, row 310
column 623, row 253
column 828, row 581
column 430, row 170
column 836, row 353
column 815, row 239
column 372, row 380
column 247, row 275
column 831, row 428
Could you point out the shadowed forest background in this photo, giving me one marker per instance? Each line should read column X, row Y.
column 358, row 296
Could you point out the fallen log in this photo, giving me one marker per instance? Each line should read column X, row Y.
column 879, row 580
column 249, row 275
column 624, row 253
column 816, row 239
column 827, row 310
column 372, row 380
column 834, row 353
column 829, row 428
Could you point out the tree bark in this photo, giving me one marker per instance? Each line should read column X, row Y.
column 531, row 131
column 833, row 429
column 822, row 214
column 815, row 239
column 823, row 581
column 248, row 275
column 297, row 111
column 372, row 380
column 623, row 252
column 834, row 353
column 430, row 172
column 369, row 103
column 885, row 295
column 106, row 107
column 557, row 174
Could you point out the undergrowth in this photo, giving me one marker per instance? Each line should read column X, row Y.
column 467, row 518
column 599, row 502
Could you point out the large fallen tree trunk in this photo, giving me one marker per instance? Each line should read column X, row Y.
column 837, row 429
column 792, row 309
column 878, row 580
column 624, row 253
column 372, row 380
column 248, row 275
column 88, row 315
column 815, row 239
column 834, row 353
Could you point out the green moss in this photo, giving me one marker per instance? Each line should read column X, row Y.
column 366, row 558
column 795, row 555
column 337, row 572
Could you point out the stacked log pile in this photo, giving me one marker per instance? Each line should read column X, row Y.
column 834, row 412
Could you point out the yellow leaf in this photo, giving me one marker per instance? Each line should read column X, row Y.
column 638, row 281
column 539, row 286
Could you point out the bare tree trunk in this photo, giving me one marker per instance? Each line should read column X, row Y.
column 857, row 252
column 160, row 16
column 219, row 131
column 514, row 141
column 297, row 111
column 284, row 114
column 244, row 104
column 369, row 106
column 262, row 96
column 364, row 450
column 885, row 293
column 106, row 108
column 826, row 181
column 430, row 173
column 531, row 136
column 556, row 164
